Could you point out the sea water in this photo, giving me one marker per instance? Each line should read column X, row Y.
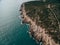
column 12, row 32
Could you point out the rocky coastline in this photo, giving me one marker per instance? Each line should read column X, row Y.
column 38, row 33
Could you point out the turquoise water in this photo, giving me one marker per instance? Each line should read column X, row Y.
column 12, row 32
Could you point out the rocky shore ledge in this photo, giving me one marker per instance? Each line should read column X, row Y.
column 37, row 32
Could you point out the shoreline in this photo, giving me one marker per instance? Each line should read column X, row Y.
column 37, row 32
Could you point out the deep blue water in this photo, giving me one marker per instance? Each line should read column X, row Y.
column 12, row 32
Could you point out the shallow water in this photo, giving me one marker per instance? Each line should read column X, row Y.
column 12, row 32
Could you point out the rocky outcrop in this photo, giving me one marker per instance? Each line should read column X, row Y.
column 38, row 33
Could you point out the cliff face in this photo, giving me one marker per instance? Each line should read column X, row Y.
column 44, row 21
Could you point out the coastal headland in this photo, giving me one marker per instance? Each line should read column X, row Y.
column 43, row 19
